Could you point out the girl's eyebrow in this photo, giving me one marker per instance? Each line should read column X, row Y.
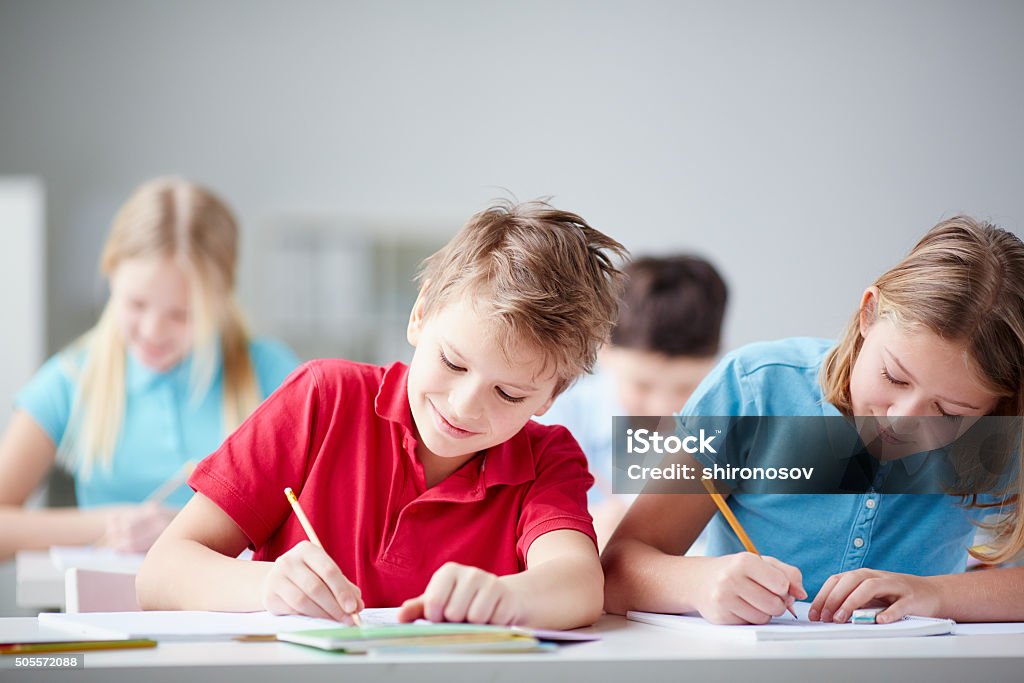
column 911, row 377
column 527, row 388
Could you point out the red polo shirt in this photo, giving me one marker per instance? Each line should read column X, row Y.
column 341, row 435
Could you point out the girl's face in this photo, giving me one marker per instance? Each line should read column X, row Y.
column 905, row 374
column 151, row 300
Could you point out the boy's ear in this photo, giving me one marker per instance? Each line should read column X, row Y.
column 868, row 309
column 545, row 407
column 412, row 332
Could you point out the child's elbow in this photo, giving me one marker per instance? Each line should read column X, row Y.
column 148, row 582
column 611, row 562
column 592, row 601
column 594, row 607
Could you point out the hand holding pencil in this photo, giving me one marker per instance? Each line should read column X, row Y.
column 747, row 588
column 134, row 528
column 306, row 580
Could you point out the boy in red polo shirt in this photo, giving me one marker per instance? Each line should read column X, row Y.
column 428, row 485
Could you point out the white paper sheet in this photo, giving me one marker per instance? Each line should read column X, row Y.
column 186, row 625
column 788, row 628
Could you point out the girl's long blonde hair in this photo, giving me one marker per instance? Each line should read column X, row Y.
column 964, row 281
column 164, row 218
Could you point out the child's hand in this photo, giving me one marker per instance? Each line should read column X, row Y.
column 901, row 594
column 134, row 528
column 305, row 580
column 457, row 592
column 747, row 589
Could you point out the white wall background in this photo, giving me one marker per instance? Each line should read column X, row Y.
column 802, row 145
column 22, row 275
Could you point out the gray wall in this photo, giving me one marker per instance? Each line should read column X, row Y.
column 801, row 145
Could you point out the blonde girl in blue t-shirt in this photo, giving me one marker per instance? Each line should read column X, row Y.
column 168, row 371
column 940, row 334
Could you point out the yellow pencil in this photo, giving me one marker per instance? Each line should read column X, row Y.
column 734, row 523
column 308, row 528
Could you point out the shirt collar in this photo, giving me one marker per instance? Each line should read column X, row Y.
column 139, row 377
column 511, row 462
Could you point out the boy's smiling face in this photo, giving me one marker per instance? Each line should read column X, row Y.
column 466, row 393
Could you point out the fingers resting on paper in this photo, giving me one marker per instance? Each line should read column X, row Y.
column 900, row 594
column 458, row 593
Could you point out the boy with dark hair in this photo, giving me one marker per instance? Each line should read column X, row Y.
column 666, row 340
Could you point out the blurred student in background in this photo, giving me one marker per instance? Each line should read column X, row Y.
column 166, row 373
column 666, row 340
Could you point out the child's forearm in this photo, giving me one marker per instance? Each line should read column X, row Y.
column 984, row 595
column 560, row 593
column 184, row 574
column 641, row 577
column 39, row 529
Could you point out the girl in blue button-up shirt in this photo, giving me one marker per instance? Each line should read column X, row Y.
column 939, row 335
column 165, row 374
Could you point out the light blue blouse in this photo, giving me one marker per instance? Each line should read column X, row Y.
column 922, row 534
column 162, row 426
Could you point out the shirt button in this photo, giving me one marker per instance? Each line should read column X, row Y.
column 858, row 542
column 870, row 503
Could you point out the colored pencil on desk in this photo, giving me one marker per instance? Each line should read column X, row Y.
column 74, row 646
column 734, row 523
column 308, row 528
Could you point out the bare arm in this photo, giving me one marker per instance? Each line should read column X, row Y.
column 563, row 584
column 642, row 561
column 193, row 564
column 26, row 456
column 986, row 595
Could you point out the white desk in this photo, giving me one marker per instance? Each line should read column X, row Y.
column 629, row 653
column 39, row 584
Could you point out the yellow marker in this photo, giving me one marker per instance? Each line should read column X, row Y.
column 308, row 528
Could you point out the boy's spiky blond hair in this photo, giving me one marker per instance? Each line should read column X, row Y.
column 545, row 276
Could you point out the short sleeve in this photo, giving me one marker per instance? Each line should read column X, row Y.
column 557, row 498
column 724, row 393
column 48, row 396
column 247, row 475
column 272, row 362
column 586, row 410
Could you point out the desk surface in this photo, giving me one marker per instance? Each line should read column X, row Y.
column 629, row 652
column 39, row 584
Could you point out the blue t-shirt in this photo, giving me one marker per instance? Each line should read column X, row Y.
column 162, row 427
column 822, row 534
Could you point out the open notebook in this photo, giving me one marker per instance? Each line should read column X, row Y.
column 788, row 628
